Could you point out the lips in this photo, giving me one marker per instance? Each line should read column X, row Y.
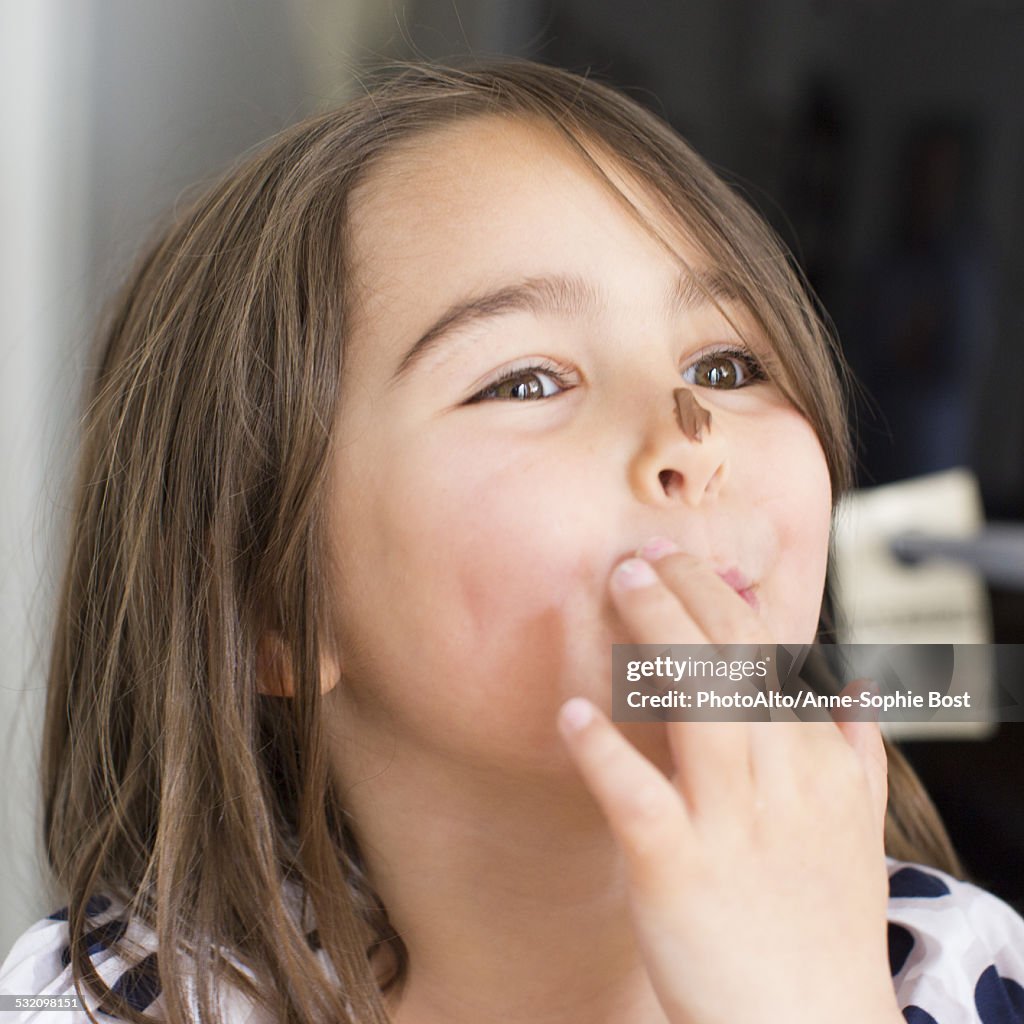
column 735, row 579
column 742, row 585
column 738, row 580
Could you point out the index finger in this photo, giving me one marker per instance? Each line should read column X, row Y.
column 645, row 813
column 682, row 600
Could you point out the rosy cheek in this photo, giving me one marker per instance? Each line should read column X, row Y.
column 515, row 578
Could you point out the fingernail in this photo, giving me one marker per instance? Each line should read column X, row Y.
column 575, row 714
column 657, row 547
column 634, row 573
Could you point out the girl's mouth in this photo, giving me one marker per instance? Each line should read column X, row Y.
column 742, row 585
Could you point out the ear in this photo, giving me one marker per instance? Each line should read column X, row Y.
column 274, row 667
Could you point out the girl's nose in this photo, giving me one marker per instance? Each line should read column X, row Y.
column 683, row 453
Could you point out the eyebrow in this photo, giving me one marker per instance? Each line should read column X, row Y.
column 554, row 295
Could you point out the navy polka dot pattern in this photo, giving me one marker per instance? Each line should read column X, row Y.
column 912, row 883
column 95, row 906
column 998, row 1000
column 98, row 939
column 915, row 1015
column 139, row 985
column 956, row 952
column 956, row 956
column 901, row 942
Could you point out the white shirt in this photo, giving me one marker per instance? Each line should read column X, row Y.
column 956, row 954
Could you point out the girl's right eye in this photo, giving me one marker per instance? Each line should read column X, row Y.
column 521, row 384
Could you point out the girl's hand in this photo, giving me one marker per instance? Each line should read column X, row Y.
column 757, row 877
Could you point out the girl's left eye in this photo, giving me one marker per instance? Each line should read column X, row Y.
column 522, row 384
column 720, row 371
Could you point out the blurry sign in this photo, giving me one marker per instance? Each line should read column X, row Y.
column 883, row 601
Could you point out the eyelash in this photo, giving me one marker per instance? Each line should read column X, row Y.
column 754, row 372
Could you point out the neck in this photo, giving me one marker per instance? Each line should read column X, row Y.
column 510, row 896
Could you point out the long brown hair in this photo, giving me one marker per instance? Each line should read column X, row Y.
column 169, row 779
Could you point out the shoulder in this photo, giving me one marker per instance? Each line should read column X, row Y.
column 39, row 964
column 956, row 952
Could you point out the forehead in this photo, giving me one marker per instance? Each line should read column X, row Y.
column 481, row 184
column 495, row 199
column 507, row 153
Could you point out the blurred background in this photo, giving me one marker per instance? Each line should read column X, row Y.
column 884, row 140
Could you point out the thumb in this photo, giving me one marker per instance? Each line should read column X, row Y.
column 865, row 737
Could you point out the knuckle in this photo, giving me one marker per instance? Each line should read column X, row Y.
column 647, row 822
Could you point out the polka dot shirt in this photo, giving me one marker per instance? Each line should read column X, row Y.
column 956, row 954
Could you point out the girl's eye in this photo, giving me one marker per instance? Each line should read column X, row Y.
column 726, row 370
column 523, row 384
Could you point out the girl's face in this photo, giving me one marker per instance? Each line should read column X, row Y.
column 476, row 523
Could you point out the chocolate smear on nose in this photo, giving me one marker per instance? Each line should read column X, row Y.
column 692, row 417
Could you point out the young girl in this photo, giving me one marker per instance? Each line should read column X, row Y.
column 380, row 424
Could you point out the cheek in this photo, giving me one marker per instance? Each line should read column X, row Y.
column 495, row 544
column 800, row 504
column 514, row 570
column 481, row 582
